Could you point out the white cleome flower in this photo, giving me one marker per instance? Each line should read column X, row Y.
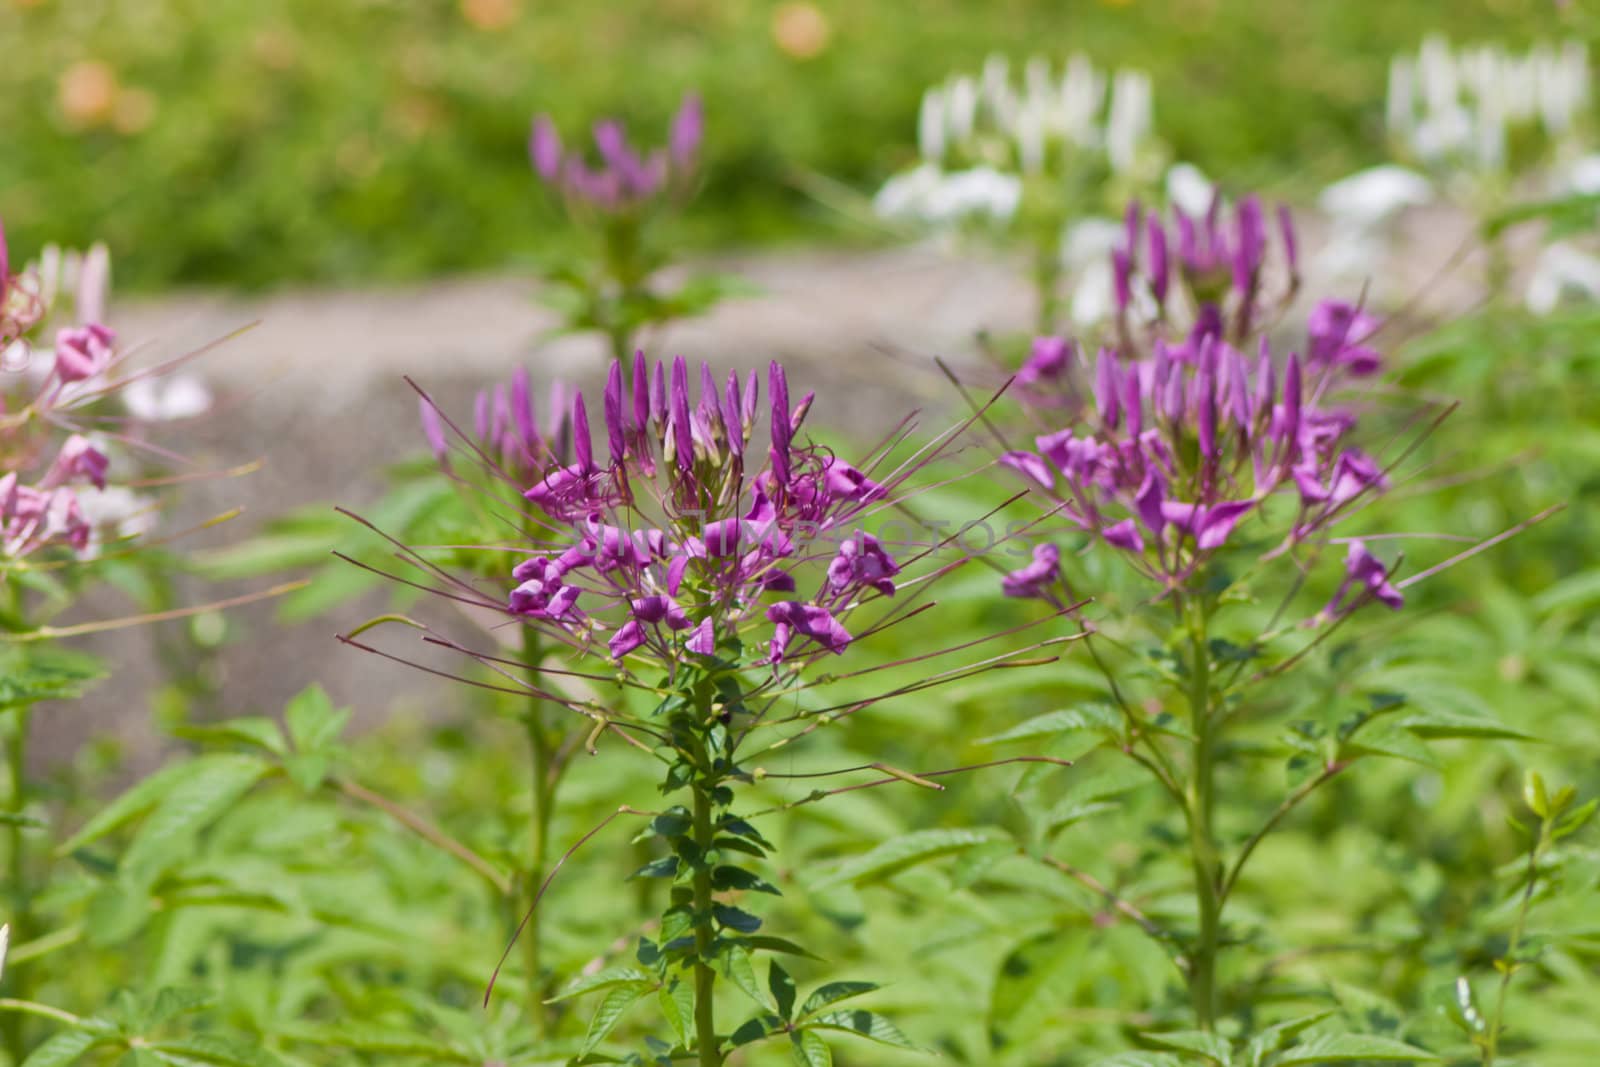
column 162, row 399
column 1371, row 197
column 1561, row 270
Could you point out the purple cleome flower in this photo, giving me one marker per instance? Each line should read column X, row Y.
column 680, row 536
column 622, row 180
column 1180, row 439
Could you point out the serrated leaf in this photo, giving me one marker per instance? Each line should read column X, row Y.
column 734, row 963
column 1270, row 1039
column 1345, row 1048
column 1394, row 742
column 115, row 913
column 174, row 1001
column 1032, row 974
column 907, row 851
column 188, row 807
column 612, row 1007
column 863, row 1023
column 135, row 802
column 314, row 723
column 397, row 1042
column 676, row 1000
column 725, row 878
column 782, row 987
column 63, row 1048
column 257, row 730
column 214, row 1052
column 735, row 918
column 1209, row 1046
column 40, row 672
column 1439, row 725
column 809, row 1049
column 768, row 943
column 754, row 1029
column 833, row 993
column 1100, row 719
column 611, row 976
column 662, row 867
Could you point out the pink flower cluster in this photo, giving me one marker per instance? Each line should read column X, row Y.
column 43, row 481
column 682, row 534
column 1175, row 442
column 623, row 179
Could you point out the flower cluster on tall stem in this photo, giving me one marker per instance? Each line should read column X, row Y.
column 1218, row 466
column 617, row 198
column 697, row 549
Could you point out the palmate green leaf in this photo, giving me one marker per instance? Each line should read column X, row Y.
column 206, row 1050
column 1348, row 1048
column 189, row 806
column 863, row 1023
column 1029, row 975
column 314, row 723
column 135, row 802
column 43, row 672
column 833, row 993
column 1575, row 593
column 908, row 851
column 358, row 1037
column 809, row 1049
column 65, row 1048
column 611, row 976
column 115, row 913
column 174, row 1001
column 1273, row 1037
column 612, row 1007
column 1209, row 1046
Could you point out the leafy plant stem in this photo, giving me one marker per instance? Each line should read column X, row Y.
column 543, row 789
column 20, row 919
column 705, row 1026
column 1202, row 843
column 1508, row 966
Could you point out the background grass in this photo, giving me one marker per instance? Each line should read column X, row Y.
column 260, row 142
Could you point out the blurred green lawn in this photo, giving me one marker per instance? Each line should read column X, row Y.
column 257, row 142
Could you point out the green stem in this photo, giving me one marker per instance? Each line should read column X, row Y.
column 1047, row 284
column 1491, row 1045
column 705, row 1025
column 21, row 919
column 1202, row 841
column 541, row 751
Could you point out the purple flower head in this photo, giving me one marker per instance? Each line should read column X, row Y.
column 1038, row 577
column 544, row 149
column 623, row 180
column 688, row 128
column 862, row 562
column 616, row 435
column 1362, row 568
column 1338, row 332
column 1047, row 360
